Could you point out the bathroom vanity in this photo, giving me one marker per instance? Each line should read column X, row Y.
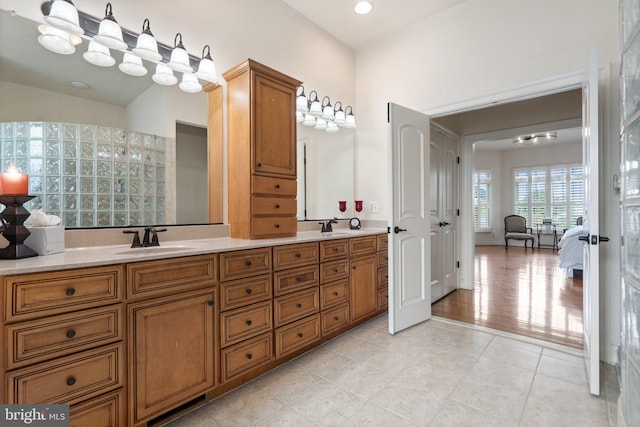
column 131, row 336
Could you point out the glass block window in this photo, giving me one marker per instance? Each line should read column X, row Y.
column 90, row 176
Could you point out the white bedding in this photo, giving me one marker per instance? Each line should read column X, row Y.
column 570, row 249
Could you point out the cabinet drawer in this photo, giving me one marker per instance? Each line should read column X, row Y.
column 152, row 278
column 334, row 249
column 336, row 270
column 295, row 306
column 274, row 186
column 273, row 206
column 32, row 295
column 293, row 280
column 105, row 411
column 246, row 322
column 237, row 264
column 382, row 242
column 297, row 335
column 335, row 319
column 247, row 291
column 291, row 256
column 334, row 293
column 39, row 340
column 383, row 259
column 383, row 277
column 362, row 245
column 243, row 357
column 69, row 379
column 277, row 226
column 383, row 298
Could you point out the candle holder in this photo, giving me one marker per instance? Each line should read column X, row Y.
column 13, row 217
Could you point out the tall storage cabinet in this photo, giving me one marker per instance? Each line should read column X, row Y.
column 262, row 151
column 630, row 204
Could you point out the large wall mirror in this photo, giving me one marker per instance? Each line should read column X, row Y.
column 139, row 149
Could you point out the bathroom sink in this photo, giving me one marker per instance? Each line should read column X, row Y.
column 153, row 250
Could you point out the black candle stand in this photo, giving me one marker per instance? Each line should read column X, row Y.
column 13, row 217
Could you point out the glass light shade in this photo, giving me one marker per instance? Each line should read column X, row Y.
column 302, row 104
column 321, row 123
column 190, row 83
column 299, row 117
column 339, row 118
column 99, row 55
column 73, row 38
column 309, row 120
column 147, row 48
column 179, row 60
column 64, row 15
column 132, row 65
column 109, row 32
column 164, row 75
column 207, row 70
column 315, row 108
column 56, row 40
column 350, row 121
column 332, row 127
column 327, row 112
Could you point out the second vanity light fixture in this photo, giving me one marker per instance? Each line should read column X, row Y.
column 66, row 27
column 310, row 111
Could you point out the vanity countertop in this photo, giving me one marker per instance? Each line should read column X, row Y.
column 117, row 254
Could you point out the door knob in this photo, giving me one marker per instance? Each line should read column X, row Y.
column 397, row 229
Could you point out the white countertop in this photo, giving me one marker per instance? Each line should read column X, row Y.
column 118, row 254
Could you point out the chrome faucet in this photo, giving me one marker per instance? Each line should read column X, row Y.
column 327, row 228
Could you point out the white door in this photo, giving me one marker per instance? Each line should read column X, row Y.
column 444, row 260
column 591, row 226
column 409, row 242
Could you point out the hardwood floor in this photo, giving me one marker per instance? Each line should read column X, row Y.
column 518, row 291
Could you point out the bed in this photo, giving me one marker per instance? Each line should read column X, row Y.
column 570, row 251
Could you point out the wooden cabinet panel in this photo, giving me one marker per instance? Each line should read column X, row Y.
column 241, row 358
column 336, row 270
column 104, row 411
column 274, row 186
column 273, row 206
column 383, row 277
column 295, row 306
column 382, row 242
column 362, row 245
column 32, row 295
column 297, row 335
column 245, row 322
column 383, row 298
column 276, row 226
column 247, row 291
column 334, row 249
column 251, row 262
column 334, row 293
column 171, row 353
column 68, row 379
column 43, row 339
column 291, row 256
column 154, row 278
column 363, row 287
column 335, row 319
column 383, row 259
column 287, row 281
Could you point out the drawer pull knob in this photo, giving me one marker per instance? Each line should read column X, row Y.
column 71, row 333
column 299, row 305
column 336, row 318
column 249, row 356
column 259, row 165
column 71, row 381
column 335, row 270
column 249, row 322
column 299, row 279
column 298, row 255
column 277, row 225
column 335, row 293
column 210, row 303
column 278, row 186
column 277, row 206
column 248, row 263
column 300, row 334
column 335, row 249
column 354, row 267
column 70, row 291
column 249, row 291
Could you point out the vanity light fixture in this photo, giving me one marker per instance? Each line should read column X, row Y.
column 339, row 117
column 315, row 108
column 321, row 124
column 132, row 65
column 56, row 40
column 350, row 119
column 309, row 120
column 327, row 109
column 99, row 55
column 206, row 68
column 190, row 83
column 535, row 138
column 164, row 75
column 109, row 32
column 179, row 57
column 302, row 103
column 64, row 16
column 332, row 127
column 311, row 112
column 147, row 46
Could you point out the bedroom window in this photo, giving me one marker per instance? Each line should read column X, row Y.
column 482, row 200
column 554, row 192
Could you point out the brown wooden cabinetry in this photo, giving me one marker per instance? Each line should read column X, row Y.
column 383, row 271
column 262, row 151
column 363, row 278
column 334, row 286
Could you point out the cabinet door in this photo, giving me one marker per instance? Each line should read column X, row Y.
column 275, row 128
column 172, row 352
column 364, row 289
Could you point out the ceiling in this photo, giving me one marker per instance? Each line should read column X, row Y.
column 338, row 18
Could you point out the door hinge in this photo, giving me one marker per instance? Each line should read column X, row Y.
column 457, row 212
column 621, row 240
column 457, row 264
column 458, row 159
column 388, row 112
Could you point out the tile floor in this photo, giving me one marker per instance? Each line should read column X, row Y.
column 438, row 373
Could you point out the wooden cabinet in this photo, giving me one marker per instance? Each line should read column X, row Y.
column 261, row 130
column 383, row 271
column 363, row 279
column 334, row 286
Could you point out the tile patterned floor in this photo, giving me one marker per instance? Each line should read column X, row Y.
column 438, row 373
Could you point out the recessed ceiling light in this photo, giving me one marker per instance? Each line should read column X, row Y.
column 363, row 7
column 79, row 85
